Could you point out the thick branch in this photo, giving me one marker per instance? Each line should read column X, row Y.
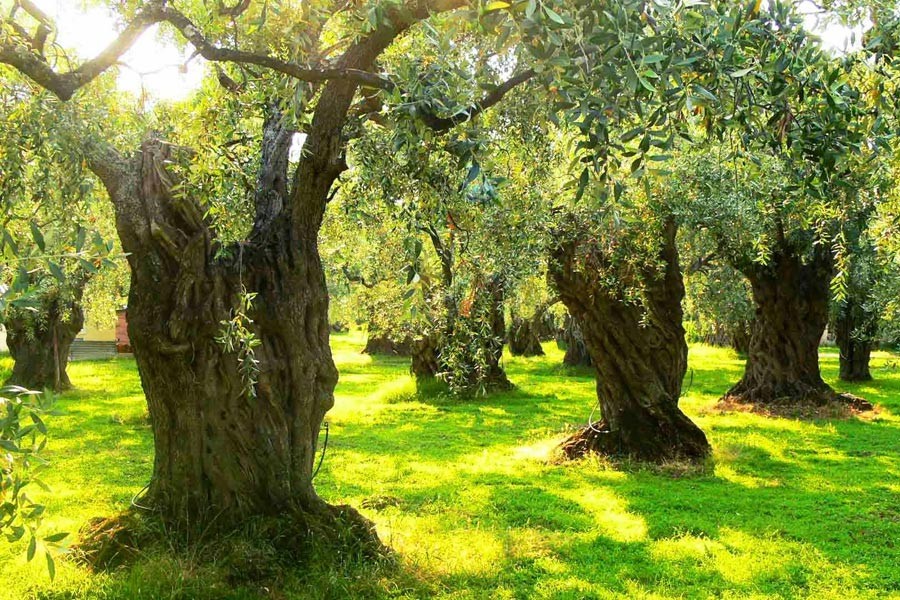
column 64, row 85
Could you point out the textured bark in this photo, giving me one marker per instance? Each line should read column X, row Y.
column 854, row 331
column 425, row 361
column 640, row 356
column 220, row 455
column 39, row 344
column 791, row 298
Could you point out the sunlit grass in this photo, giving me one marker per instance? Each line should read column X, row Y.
column 465, row 495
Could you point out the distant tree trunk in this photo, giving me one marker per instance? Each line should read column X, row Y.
column 39, row 343
column 577, row 354
column 640, row 355
column 525, row 335
column 739, row 337
column 854, row 331
column 523, row 338
column 494, row 376
column 791, row 298
column 381, row 342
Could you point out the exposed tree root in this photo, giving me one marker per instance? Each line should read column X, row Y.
column 259, row 549
column 681, row 442
column 799, row 400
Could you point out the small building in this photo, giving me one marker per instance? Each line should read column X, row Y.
column 93, row 343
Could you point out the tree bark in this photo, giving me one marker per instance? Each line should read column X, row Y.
column 577, row 354
column 791, row 297
column 640, row 354
column 854, row 331
column 39, row 343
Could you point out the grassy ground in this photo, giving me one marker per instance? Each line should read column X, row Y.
column 464, row 494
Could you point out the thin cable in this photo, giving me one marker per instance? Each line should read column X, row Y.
column 324, row 449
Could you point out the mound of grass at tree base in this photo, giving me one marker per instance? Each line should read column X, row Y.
column 464, row 495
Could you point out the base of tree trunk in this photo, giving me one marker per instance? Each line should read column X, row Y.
column 384, row 345
column 796, row 399
column 256, row 550
column 678, row 440
column 524, row 338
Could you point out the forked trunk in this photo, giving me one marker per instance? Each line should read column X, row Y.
column 854, row 331
column 39, row 343
column 228, row 444
column 791, row 298
column 640, row 355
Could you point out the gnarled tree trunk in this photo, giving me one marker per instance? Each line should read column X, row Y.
column 39, row 342
column 224, row 453
column 854, row 331
column 640, row 355
column 791, row 298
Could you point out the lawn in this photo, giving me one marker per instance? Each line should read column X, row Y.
column 464, row 494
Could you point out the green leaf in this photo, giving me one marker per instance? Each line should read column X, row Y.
column 742, row 72
column 496, row 5
column 56, row 271
column 37, row 235
column 554, row 16
column 51, row 566
column 32, row 548
column 57, row 537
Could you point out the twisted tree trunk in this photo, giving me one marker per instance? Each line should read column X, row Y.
column 640, row 355
column 39, row 343
column 791, row 298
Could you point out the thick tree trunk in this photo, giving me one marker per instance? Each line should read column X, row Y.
column 640, row 355
column 791, row 298
column 425, row 360
column 854, row 331
column 225, row 448
column 40, row 343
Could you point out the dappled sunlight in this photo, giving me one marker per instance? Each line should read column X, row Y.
column 467, row 495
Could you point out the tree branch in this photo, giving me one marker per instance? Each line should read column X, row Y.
column 64, row 85
column 493, row 97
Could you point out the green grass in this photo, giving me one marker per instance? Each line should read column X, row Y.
column 788, row 509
